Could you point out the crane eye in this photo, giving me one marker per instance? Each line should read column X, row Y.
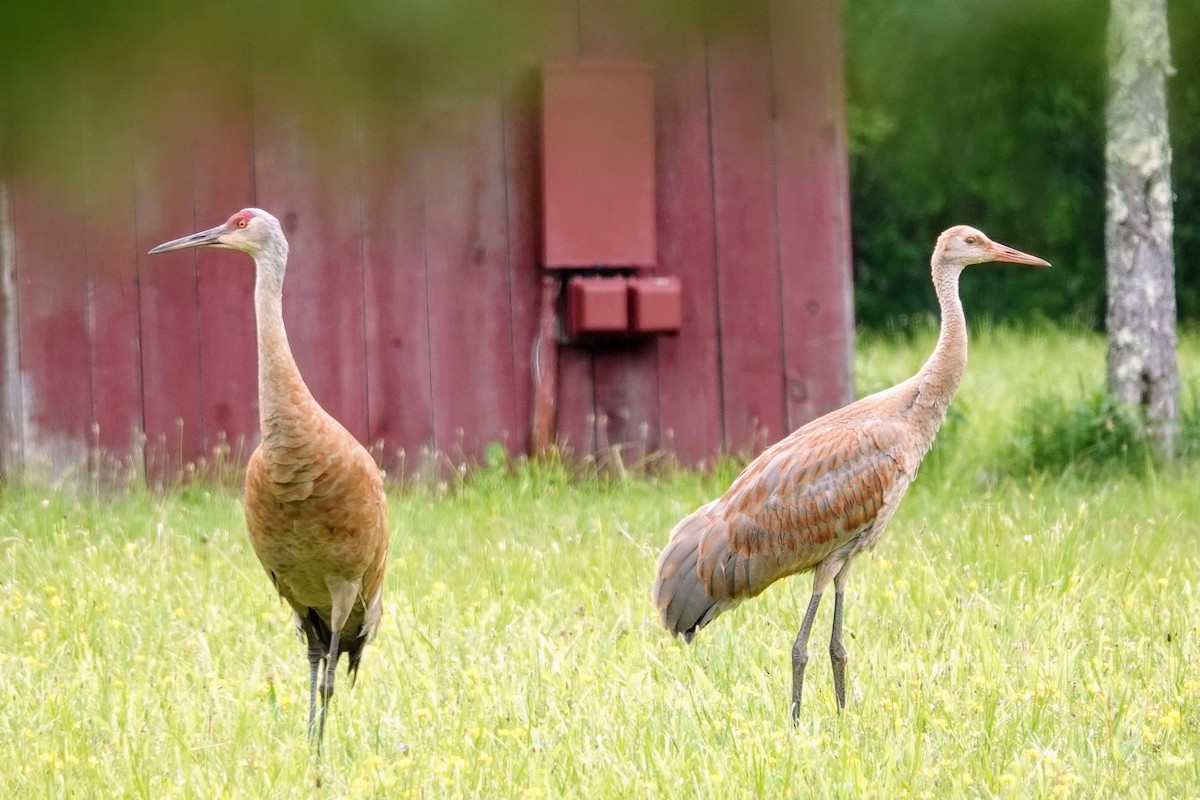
column 241, row 223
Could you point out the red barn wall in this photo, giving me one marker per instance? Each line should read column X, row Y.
column 411, row 295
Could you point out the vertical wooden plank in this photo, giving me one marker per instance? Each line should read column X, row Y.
column 576, row 413
column 113, row 318
column 12, row 456
column 814, row 229
column 627, row 414
column 626, row 376
column 739, row 72
column 399, row 374
column 542, row 363
column 309, row 182
column 522, row 180
column 225, row 282
column 52, row 323
column 168, row 300
column 689, row 369
column 467, row 256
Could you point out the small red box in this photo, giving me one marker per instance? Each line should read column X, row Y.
column 597, row 305
column 655, row 305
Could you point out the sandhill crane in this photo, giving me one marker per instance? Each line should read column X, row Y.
column 314, row 500
column 825, row 493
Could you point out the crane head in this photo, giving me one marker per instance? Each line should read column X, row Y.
column 250, row 230
column 963, row 245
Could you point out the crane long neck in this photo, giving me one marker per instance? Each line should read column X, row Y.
column 280, row 387
column 939, row 377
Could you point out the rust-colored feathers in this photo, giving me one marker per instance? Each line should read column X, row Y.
column 822, row 488
column 314, row 501
column 315, row 504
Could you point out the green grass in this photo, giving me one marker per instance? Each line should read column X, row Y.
column 1010, row 637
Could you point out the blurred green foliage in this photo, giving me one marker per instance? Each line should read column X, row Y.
column 1093, row 435
column 991, row 113
column 109, row 72
column 1183, row 98
column 985, row 112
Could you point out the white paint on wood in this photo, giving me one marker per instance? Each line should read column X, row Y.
column 12, row 411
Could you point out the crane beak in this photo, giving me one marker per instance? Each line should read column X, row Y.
column 208, row 238
column 1002, row 252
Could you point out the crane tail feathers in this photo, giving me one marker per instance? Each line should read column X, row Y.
column 366, row 634
column 685, row 600
column 354, row 651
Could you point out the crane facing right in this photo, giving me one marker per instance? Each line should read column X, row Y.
column 822, row 495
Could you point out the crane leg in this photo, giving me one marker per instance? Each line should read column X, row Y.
column 800, row 653
column 344, row 594
column 327, row 683
column 837, row 652
column 315, row 655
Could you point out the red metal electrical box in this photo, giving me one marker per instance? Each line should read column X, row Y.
column 598, row 165
column 655, row 305
column 597, row 305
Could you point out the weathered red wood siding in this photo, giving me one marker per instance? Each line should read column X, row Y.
column 53, row 362
column 114, row 322
column 399, row 379
column 411, row 291
column 813, row 208
column 224, row 168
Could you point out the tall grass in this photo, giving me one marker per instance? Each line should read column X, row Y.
column 1013, row 636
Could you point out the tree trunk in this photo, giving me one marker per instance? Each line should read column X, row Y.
column 1142, row 366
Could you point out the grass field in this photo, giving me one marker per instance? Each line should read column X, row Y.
column 1011, row 636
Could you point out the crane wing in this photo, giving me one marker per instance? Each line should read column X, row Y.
column 794, row 505
column 803, row 498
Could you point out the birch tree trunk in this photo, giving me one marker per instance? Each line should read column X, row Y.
column 1142, row 366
